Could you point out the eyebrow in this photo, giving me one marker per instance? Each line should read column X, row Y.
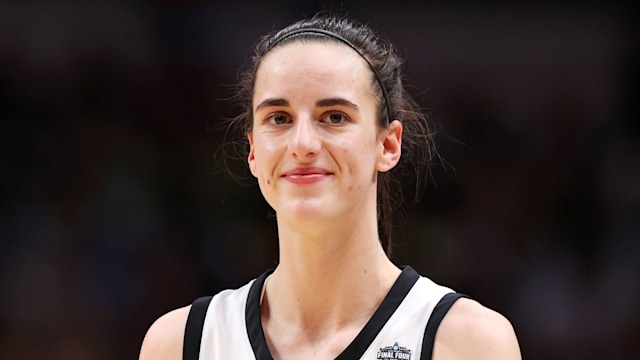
column 272, row 102
column 320, row 103
column 334, row 102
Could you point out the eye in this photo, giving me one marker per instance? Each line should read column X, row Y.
column 335, row 118
column 278, row 119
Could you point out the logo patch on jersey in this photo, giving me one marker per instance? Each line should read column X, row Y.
column 394, row 352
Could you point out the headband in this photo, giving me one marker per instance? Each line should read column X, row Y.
column 346, row 42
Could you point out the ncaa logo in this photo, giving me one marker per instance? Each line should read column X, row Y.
column 394, row 352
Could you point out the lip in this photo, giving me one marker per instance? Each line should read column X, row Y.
column 306, row 175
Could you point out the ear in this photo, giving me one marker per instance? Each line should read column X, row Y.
column 251, row 159
column 391, row 146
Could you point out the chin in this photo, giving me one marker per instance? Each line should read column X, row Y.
column 309, row 210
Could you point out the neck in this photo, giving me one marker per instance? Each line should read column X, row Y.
column 329, row 276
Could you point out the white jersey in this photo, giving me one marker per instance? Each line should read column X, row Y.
column 403, row 326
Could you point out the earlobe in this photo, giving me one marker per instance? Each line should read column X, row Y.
column 391, row 141
column 251, row 158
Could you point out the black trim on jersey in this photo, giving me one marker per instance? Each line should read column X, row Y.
column 193, row 329
column 359, row 345
column 389, row 304
column 437, row 315
column 254, row 321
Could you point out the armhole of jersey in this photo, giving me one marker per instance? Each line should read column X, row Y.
column 193, row 329
column 437, row 315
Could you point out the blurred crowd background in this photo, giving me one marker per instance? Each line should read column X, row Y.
column 113, row 211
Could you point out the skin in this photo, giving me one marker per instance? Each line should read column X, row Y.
column 316, row 150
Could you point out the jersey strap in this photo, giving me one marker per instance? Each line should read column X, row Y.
column 253, row 321
column 193, row 330
column 434, row 322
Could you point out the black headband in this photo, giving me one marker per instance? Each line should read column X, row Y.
column 347, row 42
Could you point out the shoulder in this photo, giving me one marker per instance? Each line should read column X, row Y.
column 165, row 337
column 472, row 331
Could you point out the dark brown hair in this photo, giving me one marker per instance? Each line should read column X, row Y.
column 418, row 150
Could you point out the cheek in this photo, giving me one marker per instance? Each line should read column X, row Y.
column 359, row 162
column 265, row 159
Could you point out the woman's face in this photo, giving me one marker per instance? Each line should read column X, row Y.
column 316, row 148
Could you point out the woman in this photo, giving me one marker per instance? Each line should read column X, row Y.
column 327, row 120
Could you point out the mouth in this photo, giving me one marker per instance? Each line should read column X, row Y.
column 306, row 175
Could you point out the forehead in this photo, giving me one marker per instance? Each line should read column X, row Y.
column 313, row 64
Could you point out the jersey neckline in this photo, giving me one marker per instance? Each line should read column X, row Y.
column 360, row 343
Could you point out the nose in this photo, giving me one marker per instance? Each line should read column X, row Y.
column 305, row 142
